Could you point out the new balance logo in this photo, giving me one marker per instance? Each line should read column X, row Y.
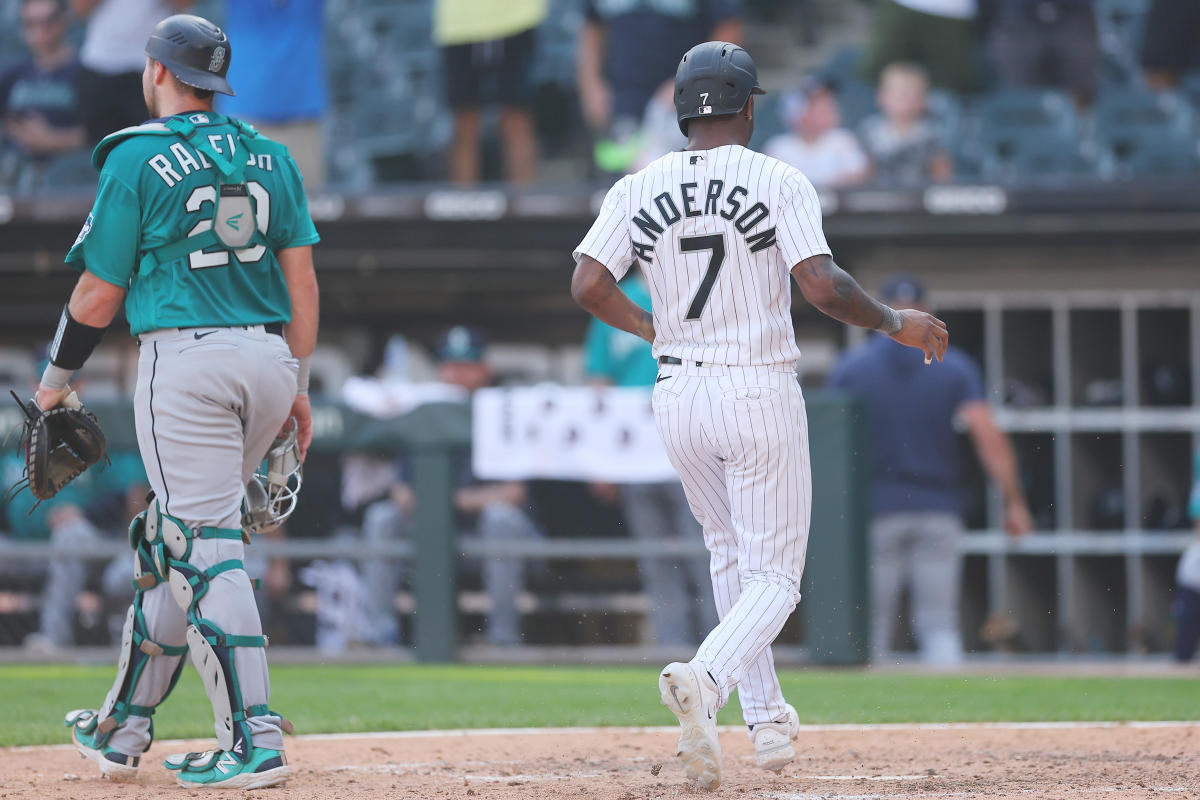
column 226, row 762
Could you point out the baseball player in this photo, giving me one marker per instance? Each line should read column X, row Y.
column 201, row 229
column 716, row 230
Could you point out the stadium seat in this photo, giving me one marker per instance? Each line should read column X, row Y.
column 1139, row 132
column 1147, row 153
column 1012, row 132
column 945, row 111
column 843, row 64
column 1129, row 109
column 856, row 100
column 768, row 119
column 1031, row 158
column 1017, row 110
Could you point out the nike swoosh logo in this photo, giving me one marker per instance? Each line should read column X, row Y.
column 661, row 378
column 202, row 335
column 675, row 694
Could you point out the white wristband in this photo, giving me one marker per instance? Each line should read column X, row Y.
column 302, row 376
column 56, row 377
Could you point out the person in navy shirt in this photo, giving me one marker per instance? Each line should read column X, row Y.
column 39, row 99
column 629, row 48
column 916, row 498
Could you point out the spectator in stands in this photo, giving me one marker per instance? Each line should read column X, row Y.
column 916, row 503
column 658, row 135
column 279, row 70
column 487, row 53
column 1187, row 576
column 680, row 591
column 1171, row 42
column 937, row 34
column 828, row 154
column 491, row 511
column 904, row 148
column 85, row 510
column 39, row 98
column 1047, row 43
column 628, row 50
column 110, row 85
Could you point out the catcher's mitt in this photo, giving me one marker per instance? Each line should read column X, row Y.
column 59, row 445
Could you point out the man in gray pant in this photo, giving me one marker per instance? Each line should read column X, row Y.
column 916, row 498
column 493, row 511
column 682, row 610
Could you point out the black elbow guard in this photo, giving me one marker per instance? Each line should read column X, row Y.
column 73, row 342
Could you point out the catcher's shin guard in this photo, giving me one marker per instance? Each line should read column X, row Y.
column 137, row 648
column 212, row 650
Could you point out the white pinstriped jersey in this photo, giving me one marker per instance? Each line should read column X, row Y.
column 716, row 234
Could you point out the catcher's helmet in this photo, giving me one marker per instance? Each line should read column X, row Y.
column 274, row 489
column 713, row 78
column 195, row 50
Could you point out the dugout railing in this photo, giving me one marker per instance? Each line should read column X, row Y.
column 834, row 608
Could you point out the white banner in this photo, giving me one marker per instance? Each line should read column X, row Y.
column 560, row 433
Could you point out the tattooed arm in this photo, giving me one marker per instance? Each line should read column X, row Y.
column 832, row 291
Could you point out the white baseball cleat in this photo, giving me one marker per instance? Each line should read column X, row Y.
column 692, row 697
column 773, row 741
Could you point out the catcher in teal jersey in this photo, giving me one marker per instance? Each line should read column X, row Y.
column 201, row 229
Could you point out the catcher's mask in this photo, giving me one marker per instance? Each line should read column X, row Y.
column 272, row 492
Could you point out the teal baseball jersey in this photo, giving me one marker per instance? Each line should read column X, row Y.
column 621, row 358
column 156, row 190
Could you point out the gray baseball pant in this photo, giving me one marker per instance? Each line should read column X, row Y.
column 918, row 549
column 207, row 410
column 503, row 578
column 676, row 587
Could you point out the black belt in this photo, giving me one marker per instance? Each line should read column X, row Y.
column 270, row 327
column 679, row 361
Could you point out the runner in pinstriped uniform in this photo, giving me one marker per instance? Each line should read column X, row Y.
column 716, row 230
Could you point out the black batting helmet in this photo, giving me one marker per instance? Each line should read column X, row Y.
column 195, row 50
column 713, row 78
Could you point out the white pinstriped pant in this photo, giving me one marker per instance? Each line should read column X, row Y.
column 739, row 438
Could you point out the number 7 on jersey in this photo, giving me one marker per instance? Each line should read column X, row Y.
column 715, row 244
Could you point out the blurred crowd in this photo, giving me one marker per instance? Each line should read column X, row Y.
column 904, row 92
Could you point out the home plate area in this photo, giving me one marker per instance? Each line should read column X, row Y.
column 842, row 762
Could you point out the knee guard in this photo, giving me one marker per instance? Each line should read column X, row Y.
column 211, row 649
column 137, row 648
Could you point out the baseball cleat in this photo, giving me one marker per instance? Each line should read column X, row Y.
column 692, row 697
column 218, row 769
column 773, row 741
column 115, row 766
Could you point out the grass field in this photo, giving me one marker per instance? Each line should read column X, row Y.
column 328, row 699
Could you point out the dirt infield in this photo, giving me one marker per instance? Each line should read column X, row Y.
column 1151, row 760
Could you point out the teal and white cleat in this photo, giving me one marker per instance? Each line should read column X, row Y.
column 84, row 723
column 218, row 769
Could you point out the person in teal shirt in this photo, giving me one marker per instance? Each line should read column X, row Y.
column 68, row 519
column 681, row 603
column 1187, row 578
